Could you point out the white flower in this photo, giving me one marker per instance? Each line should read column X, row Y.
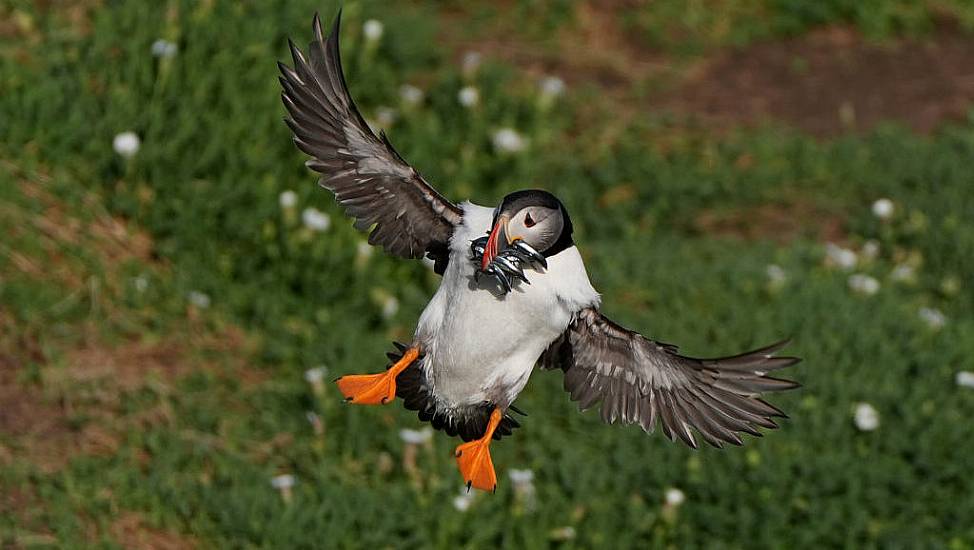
column 903, row 273
column 965, row 379
column 552, row 86
column 471, row 62
column 468, row 96
column 416, row 437
column 464, row 500
column 523, row 481
column 283, row 481
column 287, row 199
column 126, row 144
column 386, row 116
column 521, row 477
column 316, row 375
column 390, row 305
column 870, row 249
column 410, row 95
column 373, row 29
column 315, row 219
column 864, row 284
column 507, row 140
column 866, row 417
column 363, row 250
column 883, row 209
column 164, row 48
column 674, row 497
column 199, row 299
column 934, row 318
column 776, row 275
column 141, row 283
column 841, row 257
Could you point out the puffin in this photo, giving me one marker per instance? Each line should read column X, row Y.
column 514, row 294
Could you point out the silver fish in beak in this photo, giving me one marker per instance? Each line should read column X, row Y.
column 503, row 257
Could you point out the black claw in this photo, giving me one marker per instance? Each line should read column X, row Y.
column 348, row 399
column 469, row 484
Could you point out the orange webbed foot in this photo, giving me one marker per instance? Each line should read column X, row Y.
column 375, row 389
column 473, row 458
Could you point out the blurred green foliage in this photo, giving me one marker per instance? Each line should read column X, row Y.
column 206, row 186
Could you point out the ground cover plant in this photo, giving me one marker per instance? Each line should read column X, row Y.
column 176, row 292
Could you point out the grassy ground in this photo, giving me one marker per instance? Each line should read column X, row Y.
column 158, row 313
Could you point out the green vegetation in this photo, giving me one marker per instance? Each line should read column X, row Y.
column 158, row 312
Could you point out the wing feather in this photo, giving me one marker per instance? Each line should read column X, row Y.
column 639, row 381
column 369, row 178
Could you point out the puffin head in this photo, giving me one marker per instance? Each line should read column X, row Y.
column 534, row 217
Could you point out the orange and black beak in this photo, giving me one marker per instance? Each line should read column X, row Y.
column 497, row 241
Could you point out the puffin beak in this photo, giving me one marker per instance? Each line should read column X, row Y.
column 497, row 241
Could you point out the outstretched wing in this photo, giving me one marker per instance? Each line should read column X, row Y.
column 642, row 381
column 369, row 178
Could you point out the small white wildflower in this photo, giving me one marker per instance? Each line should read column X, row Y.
column 390, row 306
column 507, row 140
column 315, row 219
column 284, row 483
column 386, row 116
column 471, row 62
column 841, row 257
column 674, row 497
column 373, row 29
column 416, row 437
column 468, row 96
column 870, row 249
column 287, row 199
column 464, row 500
column 316, row 375
column 866, row 417
column 126, row 144
column 141, row 283
column 883, row 209
column 316, row 378
column 521, row 477
column 562, row 533
column 864, row 284
column 965, row 379
column 363, row 250
column 410, row 95
column 164, row 48
column 776, row 275
column 934, row 318
column 552, row 86
column 199, row 299
column 903, row 273
column 524, row 491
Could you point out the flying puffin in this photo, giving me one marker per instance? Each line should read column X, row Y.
column 514, row 293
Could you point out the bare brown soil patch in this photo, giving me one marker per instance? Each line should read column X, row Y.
column 779, row 222
column 833, row 81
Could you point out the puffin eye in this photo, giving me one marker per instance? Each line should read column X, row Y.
column 528, row 221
